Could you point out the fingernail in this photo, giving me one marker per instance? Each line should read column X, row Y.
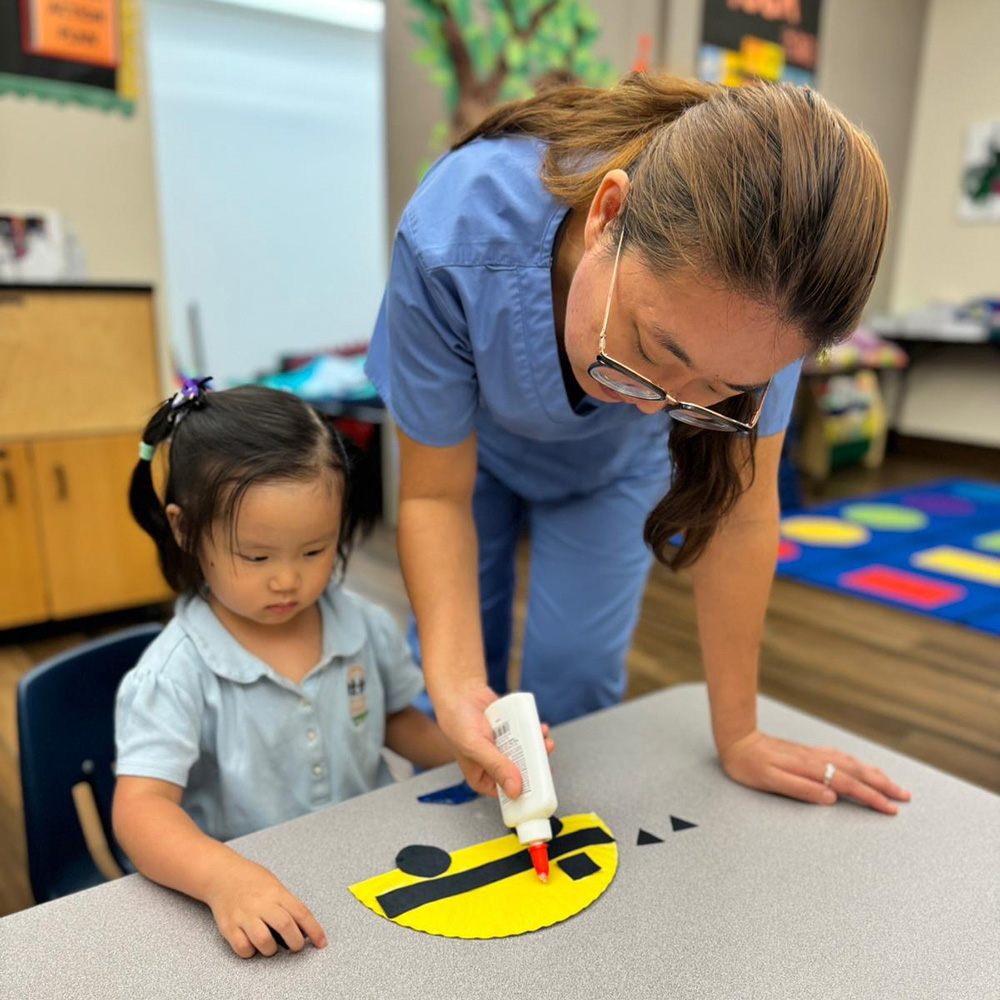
column 322, row 942
column 829, row 797
column 508, row 787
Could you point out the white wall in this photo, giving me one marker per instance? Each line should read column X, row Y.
column 952, row 393
column 869, row 67
column 942, row 257
column 269, row 137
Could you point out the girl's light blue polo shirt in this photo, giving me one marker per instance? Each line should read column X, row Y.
column 465, row 337
column 249, row 747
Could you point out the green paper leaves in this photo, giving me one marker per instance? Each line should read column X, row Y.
column 481, row 52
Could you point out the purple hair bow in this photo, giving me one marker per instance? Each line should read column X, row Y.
column 188, row 397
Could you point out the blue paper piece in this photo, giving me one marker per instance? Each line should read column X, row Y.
column 454, row 795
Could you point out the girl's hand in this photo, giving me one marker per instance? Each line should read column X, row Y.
column 248, row 902
column 463, row 721
column 796, row 770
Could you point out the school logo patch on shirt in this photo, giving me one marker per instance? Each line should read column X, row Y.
column 356, row 694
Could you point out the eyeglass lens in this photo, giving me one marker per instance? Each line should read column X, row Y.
column 699, row 419
column 620, row 382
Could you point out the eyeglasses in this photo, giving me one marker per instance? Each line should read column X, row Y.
column 629, row 382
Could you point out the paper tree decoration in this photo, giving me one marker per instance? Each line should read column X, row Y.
column 486, row 52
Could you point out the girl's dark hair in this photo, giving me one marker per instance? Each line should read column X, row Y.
column 767, row 189
column 224, row 443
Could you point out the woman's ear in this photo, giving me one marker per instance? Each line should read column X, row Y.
column 176, row 518
column 606, row 206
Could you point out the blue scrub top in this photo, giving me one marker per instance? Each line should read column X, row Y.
column 465, row 337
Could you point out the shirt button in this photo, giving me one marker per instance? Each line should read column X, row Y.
column 305, row 702
column 311, row 736
column 318, row 770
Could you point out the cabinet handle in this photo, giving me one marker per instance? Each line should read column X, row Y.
column 8, row 483
column 62, row 484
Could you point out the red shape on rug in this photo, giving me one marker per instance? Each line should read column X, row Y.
column 788, row 551
column 906, row 588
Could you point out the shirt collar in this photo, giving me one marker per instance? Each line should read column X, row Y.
column 344, row 635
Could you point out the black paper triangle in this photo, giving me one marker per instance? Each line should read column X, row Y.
column 648, row 838
column 680, row 824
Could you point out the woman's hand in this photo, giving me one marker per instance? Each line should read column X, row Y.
column 796, row 770
column 248, row 902
column 462, row 719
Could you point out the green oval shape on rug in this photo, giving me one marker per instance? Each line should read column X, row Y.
column 885, row 516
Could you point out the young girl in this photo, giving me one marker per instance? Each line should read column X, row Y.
column 272, row 691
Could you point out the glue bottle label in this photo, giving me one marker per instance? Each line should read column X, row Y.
column 510, row 746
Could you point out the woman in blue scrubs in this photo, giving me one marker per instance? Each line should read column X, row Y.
column 593, row 326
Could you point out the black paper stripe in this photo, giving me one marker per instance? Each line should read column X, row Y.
column 409, row 897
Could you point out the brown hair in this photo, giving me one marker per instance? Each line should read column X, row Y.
column 766, row 188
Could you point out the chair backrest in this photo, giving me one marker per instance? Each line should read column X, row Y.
column 65, row 724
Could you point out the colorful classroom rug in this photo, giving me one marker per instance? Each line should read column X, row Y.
column 932, row 549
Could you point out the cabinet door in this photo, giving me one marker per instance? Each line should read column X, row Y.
column 22, row 581
column 76, row 362
column 97, row 557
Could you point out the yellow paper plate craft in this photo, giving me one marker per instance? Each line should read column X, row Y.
column 490, row 890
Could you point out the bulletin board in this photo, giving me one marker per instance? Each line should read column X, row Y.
column 79, row 51
column 747, row 40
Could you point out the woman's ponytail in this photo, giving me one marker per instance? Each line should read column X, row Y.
column 588, row 131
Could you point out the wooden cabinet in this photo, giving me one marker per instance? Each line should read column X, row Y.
column 78, row 381
column 97, row 557
column 76, row 361
column 22, row 581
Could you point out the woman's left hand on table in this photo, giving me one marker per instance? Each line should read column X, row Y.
column 796, row 770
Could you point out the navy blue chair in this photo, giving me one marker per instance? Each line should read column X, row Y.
column 65, row 726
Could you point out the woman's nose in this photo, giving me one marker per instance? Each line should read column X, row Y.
column 650, row 405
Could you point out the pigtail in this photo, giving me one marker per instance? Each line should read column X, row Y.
column 143, row 501
column 142, row 498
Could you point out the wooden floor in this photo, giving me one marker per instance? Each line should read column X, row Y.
column 921, row 686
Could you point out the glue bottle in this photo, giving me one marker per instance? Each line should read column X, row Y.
column 518, row 735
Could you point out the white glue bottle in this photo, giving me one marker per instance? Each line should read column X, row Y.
column 518, row 735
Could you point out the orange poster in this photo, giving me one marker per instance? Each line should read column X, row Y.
column 80, row 31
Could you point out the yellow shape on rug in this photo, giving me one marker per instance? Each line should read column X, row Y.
column 963, row 563
column 826, row 532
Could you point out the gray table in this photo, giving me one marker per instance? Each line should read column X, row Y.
column 763, row 898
